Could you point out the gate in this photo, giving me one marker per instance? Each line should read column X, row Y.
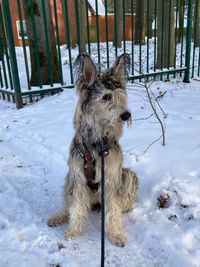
column 160, row 35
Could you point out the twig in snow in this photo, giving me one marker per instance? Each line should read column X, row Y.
column 142, row 153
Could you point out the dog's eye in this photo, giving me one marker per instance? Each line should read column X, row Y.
column 107, row 97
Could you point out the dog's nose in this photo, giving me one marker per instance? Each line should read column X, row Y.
column 125, row 115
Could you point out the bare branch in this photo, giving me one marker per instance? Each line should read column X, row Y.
column 146, row 118
column 142, row 153
column 155, row 112
column 156, row 100
column 161, row 95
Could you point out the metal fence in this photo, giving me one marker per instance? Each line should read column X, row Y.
column 181, row 21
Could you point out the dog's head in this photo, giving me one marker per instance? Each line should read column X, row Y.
column 102, row 96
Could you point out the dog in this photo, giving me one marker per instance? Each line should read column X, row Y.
column 100, row 114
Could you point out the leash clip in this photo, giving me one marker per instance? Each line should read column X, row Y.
column 105, row 153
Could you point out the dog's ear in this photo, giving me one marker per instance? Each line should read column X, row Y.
column 85, row 70
column 122, row 67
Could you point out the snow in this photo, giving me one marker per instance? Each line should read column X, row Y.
column 34, row 144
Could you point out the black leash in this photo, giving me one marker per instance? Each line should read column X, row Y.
column 102, row 210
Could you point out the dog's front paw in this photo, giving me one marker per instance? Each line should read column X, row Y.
column 58, row 219
column 72, row 234
column 118, row 239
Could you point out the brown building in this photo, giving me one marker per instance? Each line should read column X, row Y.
column 62, row 31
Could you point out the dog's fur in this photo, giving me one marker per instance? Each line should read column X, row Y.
column 98, row 122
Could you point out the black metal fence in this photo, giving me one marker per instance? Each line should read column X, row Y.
column 160, row 35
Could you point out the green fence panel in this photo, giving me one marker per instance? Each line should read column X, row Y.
column 58, row 40
column 4, row 49
column 13, row 59
column 23, row 43
column 188, row 41
column 102, row 26
column 68, row 39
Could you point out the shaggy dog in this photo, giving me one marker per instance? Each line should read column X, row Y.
column 100, row 114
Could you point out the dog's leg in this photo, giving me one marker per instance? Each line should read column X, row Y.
column 113, row 220
column 58, row 219
column 63, row 216
column 128, row 190
column 78, row 211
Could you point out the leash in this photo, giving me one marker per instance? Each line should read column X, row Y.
column 89, row 171
column 102, row 209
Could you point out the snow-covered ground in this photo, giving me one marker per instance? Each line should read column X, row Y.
column 34, row 143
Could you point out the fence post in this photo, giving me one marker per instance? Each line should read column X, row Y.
column 13, row 59
column 188, row 42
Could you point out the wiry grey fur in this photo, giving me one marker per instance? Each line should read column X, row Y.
column 100, row 114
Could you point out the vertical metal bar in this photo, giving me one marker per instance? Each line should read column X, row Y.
column 182, row 27
column 1, row 80
column 4, row 67
column 23, row 44
column 8, row 98
column 50, row 72
column 124, row 25
column 4, row 73
column 3, row 96
column 77, row 23
column 58, row 41
column 176, row 31
column 169, row 36
column 115, row 28
column 198, row 73
column 147, row 36
column 140, row 45
column 88, row 26
column 5, row 50
column 162, row 34
column 13, row 59
column 195, row 30
column 155, row 33
column 36, row 50
column 97, row 31
column 132, row 36
column 188, row 42
column 68, row 40
column 1, row 59
column 106, row 22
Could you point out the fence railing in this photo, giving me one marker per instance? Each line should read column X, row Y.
column 40, row 41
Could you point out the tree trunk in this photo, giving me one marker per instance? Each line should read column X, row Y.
column 128, row 6
column 40, row 43
column 72, row 41
column 151, row 17
column 165, row 49
column 180, row 20
column 140, row 22
column 119, row 24
column 197, row 24
column 110, row 4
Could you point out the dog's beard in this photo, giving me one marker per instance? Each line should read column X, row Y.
column 118, row 128
column 113, row 127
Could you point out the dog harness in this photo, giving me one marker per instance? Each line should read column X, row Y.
column 89, row 165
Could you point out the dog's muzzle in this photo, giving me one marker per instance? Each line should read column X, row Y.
column 125, row 116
